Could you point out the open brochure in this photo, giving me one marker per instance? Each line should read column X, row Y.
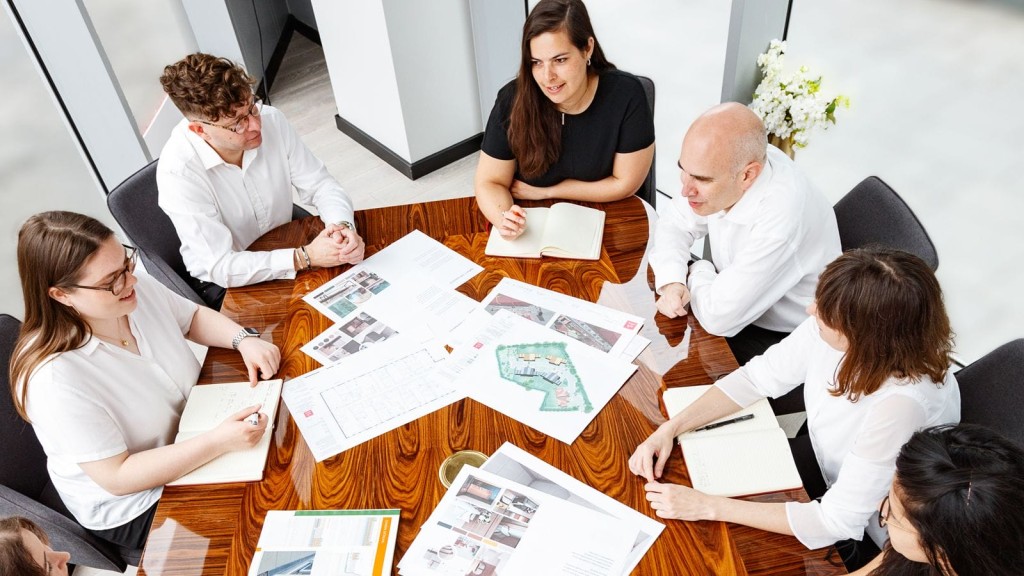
column 515, row 464
column 563, row 231
column 486, row 524
column 352, row 542
column 207, row 407
column 736, row 459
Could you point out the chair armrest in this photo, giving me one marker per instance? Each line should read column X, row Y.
column 65, row 534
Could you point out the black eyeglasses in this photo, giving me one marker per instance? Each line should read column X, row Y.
column 131, row 255
column 242, row 123
column 884, row 511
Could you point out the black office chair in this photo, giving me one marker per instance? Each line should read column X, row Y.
column 25, row 486
column 992, row 390
column 649, row 190
column 872, row 213
column 134, row 205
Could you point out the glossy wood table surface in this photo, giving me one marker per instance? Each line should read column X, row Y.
column 214, row 530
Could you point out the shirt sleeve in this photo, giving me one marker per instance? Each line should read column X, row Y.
column 181, row 309
column 189, row 201
column 780, row 369
column 676, row 231
column 851, row 503
column 637, row 130
column 313, row 182
column 77, row 428
column 759, row 276
column 495, row 142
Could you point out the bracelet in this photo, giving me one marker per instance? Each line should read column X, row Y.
column 305, row 256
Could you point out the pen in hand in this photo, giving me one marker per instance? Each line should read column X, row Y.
column 253, row 419
column 724, row 422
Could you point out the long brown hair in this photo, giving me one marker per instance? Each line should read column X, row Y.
column 888, row 305
column 534, row 133
column 14, row 556
column 52, row 247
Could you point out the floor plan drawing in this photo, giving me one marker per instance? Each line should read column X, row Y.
column 547, row 367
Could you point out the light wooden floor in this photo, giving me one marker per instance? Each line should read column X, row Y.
column 302, row 90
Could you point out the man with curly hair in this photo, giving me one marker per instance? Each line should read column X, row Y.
column 226, row 174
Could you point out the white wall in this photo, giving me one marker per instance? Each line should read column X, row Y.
column 359, row 61
column 432, row 50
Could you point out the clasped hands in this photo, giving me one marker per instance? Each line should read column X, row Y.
column 667, row 500
column 334, row 246
column 674, row 298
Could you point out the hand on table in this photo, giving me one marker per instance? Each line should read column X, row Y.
column 679, row 502
column 649, row 458
column 522, row 191
column 236, row 433
column 674, row 298
column 350, row 244
column 513, row 223
column 261, row 358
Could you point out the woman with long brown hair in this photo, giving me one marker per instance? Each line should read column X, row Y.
column 874, row 357
column 25, row 550
column 568, row 126
column 102, row 370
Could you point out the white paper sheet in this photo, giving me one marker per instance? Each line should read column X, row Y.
column 421, row 257
column 513, row 463
column 347, row 403
column 327, row 542
column 600, row 327
column 486, row 524
column 538, row 376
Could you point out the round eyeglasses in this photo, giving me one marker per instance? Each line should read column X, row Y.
column 131, row 256
column 884, row 514
column 242, row 123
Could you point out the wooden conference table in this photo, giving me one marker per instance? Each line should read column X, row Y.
column 214, row 529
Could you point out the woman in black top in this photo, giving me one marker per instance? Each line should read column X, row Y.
column 569, row 126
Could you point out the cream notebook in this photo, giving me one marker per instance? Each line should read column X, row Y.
column 563, row 231
column 738, row 459
column 211, row 404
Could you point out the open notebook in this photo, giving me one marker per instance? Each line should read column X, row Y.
column 563, row 231
column 209, row 405
column 739, row 459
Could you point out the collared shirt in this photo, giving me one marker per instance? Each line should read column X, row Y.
column 219, row 209
column 101, row 400
column 855, row 443
column 768, row 250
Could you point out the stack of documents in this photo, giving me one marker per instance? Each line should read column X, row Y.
column 519, row 515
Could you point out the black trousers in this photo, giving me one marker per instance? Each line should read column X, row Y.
column 131, row 535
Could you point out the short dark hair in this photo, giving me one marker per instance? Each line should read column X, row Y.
column 207, row 87
column 14, row 556
column 963, row 491
column 888, row 305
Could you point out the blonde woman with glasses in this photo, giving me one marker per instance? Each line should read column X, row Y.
column 102, row 370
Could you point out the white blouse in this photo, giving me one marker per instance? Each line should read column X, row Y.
column 101, row 400
column 855, row 443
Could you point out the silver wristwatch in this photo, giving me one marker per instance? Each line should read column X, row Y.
column 347, row 224
column 242, row 335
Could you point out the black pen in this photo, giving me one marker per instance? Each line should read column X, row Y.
column 724, row 422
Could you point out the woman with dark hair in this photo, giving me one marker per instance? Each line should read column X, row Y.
column 569, row 126
column 874, row 357
column 102, row 370
column 25, row 550
column 955, row 505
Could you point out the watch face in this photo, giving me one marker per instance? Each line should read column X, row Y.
column 252, row 331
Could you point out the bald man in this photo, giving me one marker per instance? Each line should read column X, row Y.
column 771, row 234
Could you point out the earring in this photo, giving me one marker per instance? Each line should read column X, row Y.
column 588, row 61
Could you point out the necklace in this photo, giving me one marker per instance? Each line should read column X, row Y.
column 120, row 338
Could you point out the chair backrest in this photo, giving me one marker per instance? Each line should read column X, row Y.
column 872, row 213
column 134, row 205
column 649, row 190
column 992, row 391
column 23, row 467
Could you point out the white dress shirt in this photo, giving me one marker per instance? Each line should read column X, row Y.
column 219, row 209
column 855, row 443
column 101, row 400
column 769, row 249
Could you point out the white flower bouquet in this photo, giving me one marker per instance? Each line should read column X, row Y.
column 792, row 106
